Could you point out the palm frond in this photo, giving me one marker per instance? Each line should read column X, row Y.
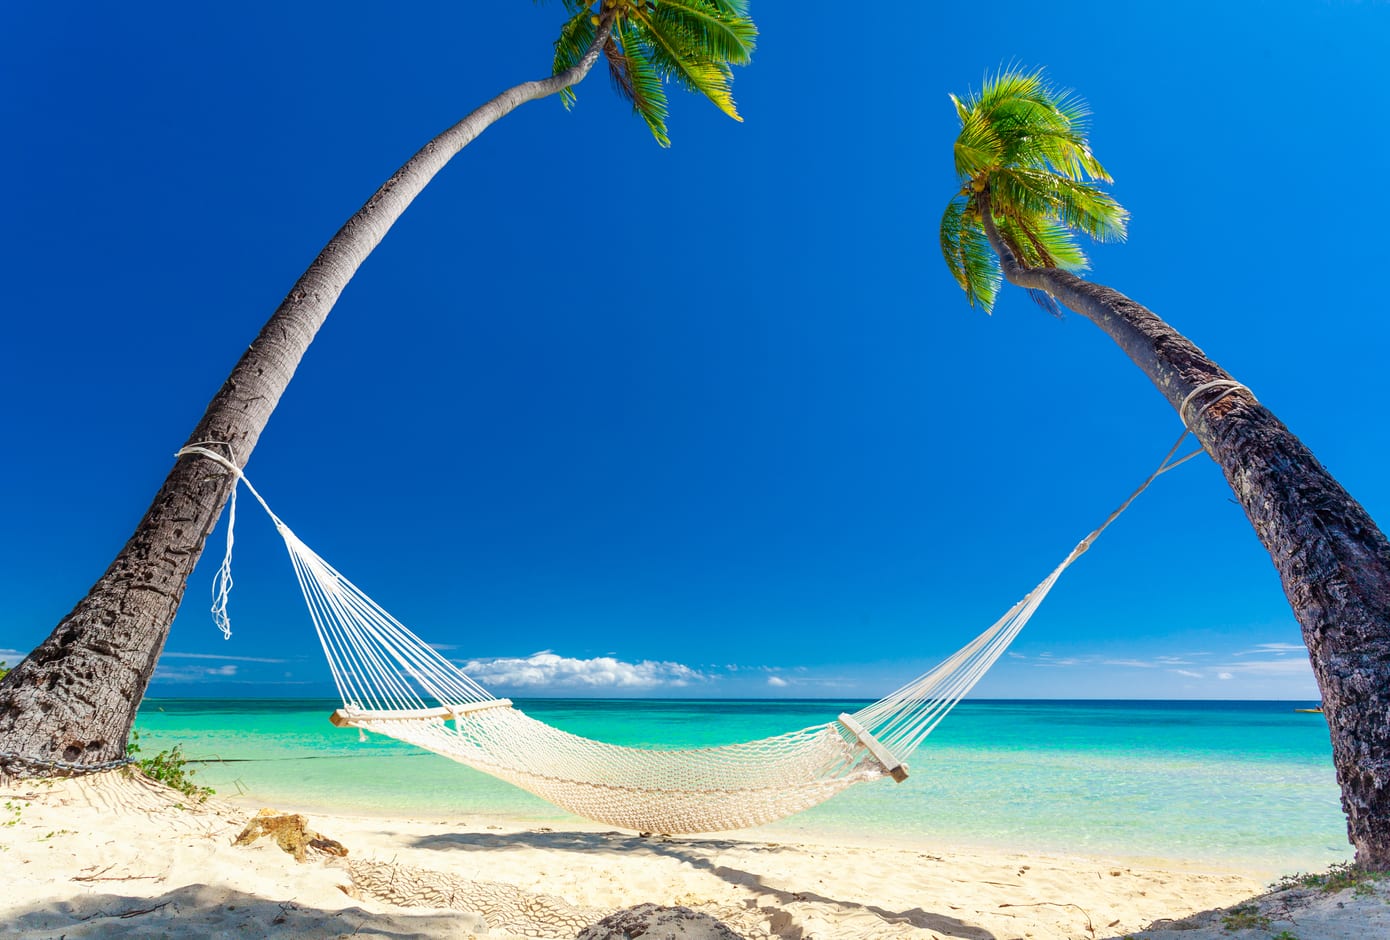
column 1017, row 192
column 1090, row 210
column 1042, row 243
column 692, row 43
column 968, row 255
column 642, row 82
column 1045, row 300
column 672, row 48
column 978, row 146
column 1025, row 142
column 1040, row 124
column 962, row 111
column 619, row 71
column 719, row 30
column 1028, row 191
column 1033, row 248
column 1006, row 84
column 574, row 40
column 1015, row 232
column 1059, row 244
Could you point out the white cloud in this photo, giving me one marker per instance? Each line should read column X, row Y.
column 1276, row 661
column 165, row 673
column 777, row 682
column 1280, row 669
column 549, row 670
column 234, row 659
column 1295, row 666
column 1050, row 659
column 1277, row 649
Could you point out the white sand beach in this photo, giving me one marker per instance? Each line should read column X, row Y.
column 119, row 855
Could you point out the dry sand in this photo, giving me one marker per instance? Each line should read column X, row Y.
column 117, row 855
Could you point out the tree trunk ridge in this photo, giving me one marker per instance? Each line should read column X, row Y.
column 69, row 705
column 1332, row 559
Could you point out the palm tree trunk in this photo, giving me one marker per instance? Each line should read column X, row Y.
column 1332, row 559
column 69, row 705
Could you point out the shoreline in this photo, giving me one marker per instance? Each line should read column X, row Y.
column 1124, row 781
column 90, row 855
column 801, row 834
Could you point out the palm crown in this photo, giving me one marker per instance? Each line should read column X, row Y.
column 692, row 43
column 1022, row 156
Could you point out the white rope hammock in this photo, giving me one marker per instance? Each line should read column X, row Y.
column 393, row 683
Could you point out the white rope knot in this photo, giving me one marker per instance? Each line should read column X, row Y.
column 1227, row 385
column 222, row 581
column 198, row 450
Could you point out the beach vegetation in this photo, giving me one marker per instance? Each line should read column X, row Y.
column 1029, row 185
column 56, row 706
column 4, row 668
column 169, row 767
column 14, row 812
column 1244, row 917
column 1340, row 877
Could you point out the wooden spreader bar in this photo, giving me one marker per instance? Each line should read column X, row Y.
column 348, row 717
column 880, row 753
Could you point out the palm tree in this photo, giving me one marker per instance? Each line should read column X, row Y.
column 1028, row 183
column 69, row 705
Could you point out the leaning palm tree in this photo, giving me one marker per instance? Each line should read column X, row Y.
column 69, row 705
column 1029, row 181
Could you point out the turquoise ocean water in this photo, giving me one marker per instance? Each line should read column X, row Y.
column 1244, row 784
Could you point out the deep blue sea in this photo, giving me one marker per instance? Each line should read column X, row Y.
column 1246, row 784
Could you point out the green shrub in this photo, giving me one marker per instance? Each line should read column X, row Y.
column 1337, row 878
column 1244, row 917
column 169, row 768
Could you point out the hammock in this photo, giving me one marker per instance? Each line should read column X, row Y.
column 393, row 683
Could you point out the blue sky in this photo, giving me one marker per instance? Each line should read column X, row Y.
column 602, row 418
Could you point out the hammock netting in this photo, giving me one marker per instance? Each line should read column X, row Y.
column 394, row 683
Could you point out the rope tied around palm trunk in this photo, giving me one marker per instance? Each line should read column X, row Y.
column 1228, row 386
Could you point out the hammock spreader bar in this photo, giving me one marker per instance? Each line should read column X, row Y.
column 352, row 717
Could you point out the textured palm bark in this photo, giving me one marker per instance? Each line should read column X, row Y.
column 74, row 698
column 1333, row 561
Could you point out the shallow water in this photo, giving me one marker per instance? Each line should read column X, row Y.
column 1247, row 784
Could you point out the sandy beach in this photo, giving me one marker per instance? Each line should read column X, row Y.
column 119, row 855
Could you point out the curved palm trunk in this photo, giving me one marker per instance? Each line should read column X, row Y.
column 1332, row 559
column 69, row 705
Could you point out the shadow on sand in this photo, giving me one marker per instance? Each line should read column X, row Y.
column 693, row 852
column 201, row 911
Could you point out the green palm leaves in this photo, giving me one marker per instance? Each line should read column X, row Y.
column 691, row 43
column 1022, row 156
